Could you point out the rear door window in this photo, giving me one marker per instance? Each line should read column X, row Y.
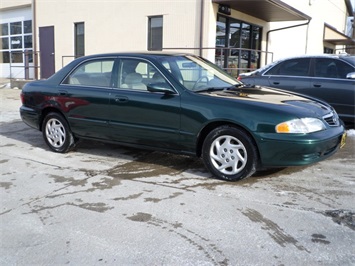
column 331, row 68
column 96, row 73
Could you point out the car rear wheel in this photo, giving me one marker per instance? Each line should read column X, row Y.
column 56, row 133
column 229, row 153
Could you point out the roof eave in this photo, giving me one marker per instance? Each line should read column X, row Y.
column 270, row 10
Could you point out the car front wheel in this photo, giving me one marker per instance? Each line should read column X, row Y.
column 229, row 153
column 56, row 133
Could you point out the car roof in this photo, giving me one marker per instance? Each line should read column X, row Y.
column 350, row 59
column 321, row 55
column 346, row 57
column 142, row 53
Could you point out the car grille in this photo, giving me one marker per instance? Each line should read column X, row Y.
column 332, row 119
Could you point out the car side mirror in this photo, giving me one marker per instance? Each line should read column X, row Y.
column 160, row 87
column 350, row 75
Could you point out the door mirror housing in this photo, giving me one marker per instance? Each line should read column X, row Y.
column 160, row 87
column 350, row 75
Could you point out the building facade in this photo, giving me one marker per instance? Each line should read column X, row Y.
column 16, row 38
column 40, row 37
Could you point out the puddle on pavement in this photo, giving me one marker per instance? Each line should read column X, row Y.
column 203, row 245
column 343, row 217
column 6, row 185
column 319, row 238
column 155, row 164
column 274, row 230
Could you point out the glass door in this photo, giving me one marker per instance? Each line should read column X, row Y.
column 239, row 44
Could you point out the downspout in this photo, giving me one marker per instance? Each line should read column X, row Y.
column 201, row 26
column 34, row 39
column 285, row 28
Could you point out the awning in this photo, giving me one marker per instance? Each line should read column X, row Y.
column 335, row 37
column 268, row 10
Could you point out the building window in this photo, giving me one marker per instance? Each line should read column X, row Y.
column 79, row 39
column 15, row 28
column 15, row 40
column 27, row 26
column 327, row 50
column 155, row 33
column 4, row 43
column 27, row 41
column 5, row 57
column 4, row 29
column 241, row 43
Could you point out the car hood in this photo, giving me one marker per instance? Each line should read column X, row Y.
column 280, row 99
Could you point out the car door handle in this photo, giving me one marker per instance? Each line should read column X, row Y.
column 317, row 85
column 63, row 93
column 121, row 99
column 276, row 83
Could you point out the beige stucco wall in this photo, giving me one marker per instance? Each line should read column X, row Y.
column 308, row 39
column 114, row 26
column 121, row 25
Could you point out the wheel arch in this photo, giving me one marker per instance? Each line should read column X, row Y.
column 48, row 110
column 211, row 126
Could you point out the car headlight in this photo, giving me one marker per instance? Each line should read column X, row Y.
column 303, row 125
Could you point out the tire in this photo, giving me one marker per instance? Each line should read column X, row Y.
column 56, row 133
column 230, row 154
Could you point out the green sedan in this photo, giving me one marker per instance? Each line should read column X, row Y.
column 183, row 104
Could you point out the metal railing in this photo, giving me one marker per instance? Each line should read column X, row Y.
column 64, row 57
column 26, row 60
column 233, row 60
column 349, row 49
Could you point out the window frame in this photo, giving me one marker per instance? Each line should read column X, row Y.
column 155, row 44
column 232, row 39
column 16, row 31
column 338, row 64
column 121, row 72
column 277, row 67
column 66, row 80
column 79, row 40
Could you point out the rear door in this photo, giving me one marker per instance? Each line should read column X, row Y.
column 138, row 116
column 330, row 84
column 85, row 97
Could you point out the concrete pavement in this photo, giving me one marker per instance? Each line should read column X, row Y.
column 103, row 204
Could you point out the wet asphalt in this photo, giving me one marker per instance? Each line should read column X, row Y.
column 104, row 204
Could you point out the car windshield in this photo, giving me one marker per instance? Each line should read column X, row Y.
column 197, row 74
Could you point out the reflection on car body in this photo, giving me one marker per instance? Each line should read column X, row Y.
column 183, row 104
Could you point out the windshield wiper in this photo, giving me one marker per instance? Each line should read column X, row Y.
column 235, row 86
column 210, row 89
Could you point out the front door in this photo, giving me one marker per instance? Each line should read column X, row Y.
column 138, row 116
column 46, row 46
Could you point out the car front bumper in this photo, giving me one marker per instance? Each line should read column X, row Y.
column 281, row 150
